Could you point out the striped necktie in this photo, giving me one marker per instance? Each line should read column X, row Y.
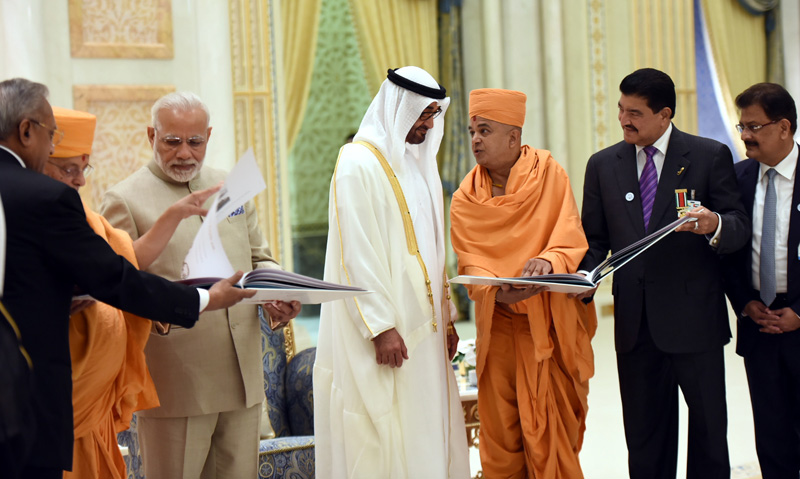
column 648, row 183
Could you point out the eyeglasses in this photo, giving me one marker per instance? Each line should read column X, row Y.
column 753, row 128
column 72, row 171
column 173, row 142
column 56, row 135
column 427, row 115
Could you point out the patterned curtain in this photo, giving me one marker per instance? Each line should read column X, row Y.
column 337, row 99
column 455, row 155
column 300, row 21
column 395, row 33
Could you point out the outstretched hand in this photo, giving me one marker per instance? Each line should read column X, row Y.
column 191, row 205
column 224, row 293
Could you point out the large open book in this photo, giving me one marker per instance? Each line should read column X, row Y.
column 276, row 284
column 575, row 282
column 207, row 262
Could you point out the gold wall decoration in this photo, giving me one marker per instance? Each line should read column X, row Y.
column 121, row 28
column 599, row 73
column 255, row 110
column 120, row 140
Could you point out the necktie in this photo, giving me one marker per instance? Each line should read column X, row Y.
column 648, row 183
column 767, row 263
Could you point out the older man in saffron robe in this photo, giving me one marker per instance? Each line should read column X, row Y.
column 515, row 215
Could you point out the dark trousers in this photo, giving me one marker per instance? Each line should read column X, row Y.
column 773, row 374
column 42, row 473
column 649, row 380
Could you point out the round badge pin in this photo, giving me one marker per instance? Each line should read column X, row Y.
column 798, row 206
column 629, row 197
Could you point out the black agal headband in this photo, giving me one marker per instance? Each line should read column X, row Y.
column 403, row 82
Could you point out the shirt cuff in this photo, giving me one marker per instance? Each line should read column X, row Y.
column 204, row 298
column 714, row 241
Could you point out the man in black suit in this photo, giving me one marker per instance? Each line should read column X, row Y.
column 763, row 280
column 50, row 250
column 671, row 319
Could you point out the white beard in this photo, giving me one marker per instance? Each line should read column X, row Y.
column 181, row 177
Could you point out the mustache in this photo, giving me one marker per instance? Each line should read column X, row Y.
column 630, row 128
column 751, row 143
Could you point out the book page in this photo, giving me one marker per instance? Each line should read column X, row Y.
column 242, row 184
column 206, row 257
column 633, row 250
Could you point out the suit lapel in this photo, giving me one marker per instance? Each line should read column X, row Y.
column 676, row 168
column 747, row 186
column 627, row 178
column 793, row 269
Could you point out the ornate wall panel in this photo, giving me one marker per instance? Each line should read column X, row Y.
column 665, row 29
column 256, row 109
column 121, row 28
column 599, row 74
column 120, row 141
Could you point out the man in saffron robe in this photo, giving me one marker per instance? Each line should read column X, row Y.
column 110, row 379
column 515, row 215
column 385, row 400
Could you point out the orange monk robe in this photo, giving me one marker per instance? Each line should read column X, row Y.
column 495, row 236
column 110, row 379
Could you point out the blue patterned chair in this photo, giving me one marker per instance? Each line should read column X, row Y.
column 289, row 391
column 290, row 405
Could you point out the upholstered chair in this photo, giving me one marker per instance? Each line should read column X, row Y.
column 290, row 406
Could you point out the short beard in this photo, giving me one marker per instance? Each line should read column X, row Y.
column 180, row 177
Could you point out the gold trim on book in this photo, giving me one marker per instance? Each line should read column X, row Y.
column 408, row 225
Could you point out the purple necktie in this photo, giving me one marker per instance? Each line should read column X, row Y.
column 648, row 183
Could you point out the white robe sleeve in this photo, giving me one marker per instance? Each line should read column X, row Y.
column 360, row 216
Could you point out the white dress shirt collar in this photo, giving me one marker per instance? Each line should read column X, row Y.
column 785, row 168
column 661, row 144
column 15, row 156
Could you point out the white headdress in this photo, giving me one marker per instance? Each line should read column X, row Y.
column 400, row 101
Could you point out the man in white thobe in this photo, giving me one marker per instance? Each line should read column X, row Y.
column 385, row 400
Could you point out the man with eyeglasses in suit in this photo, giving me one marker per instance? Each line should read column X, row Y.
column 762, row 280
column 210, row 379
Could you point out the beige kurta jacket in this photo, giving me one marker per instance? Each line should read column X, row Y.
column 216, row 365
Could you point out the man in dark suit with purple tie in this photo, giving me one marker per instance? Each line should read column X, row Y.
column 670, row 315
column 763, row 280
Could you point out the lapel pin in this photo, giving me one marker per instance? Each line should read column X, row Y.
column 798, row 206
column 629, row 197
column 680, row 171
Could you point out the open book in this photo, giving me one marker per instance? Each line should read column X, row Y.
column 276, row 284
column 575, row 282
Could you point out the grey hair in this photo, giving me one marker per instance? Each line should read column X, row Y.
column 19, row 99
column 178, row 101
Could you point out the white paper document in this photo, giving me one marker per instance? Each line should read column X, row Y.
column 207, row 257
